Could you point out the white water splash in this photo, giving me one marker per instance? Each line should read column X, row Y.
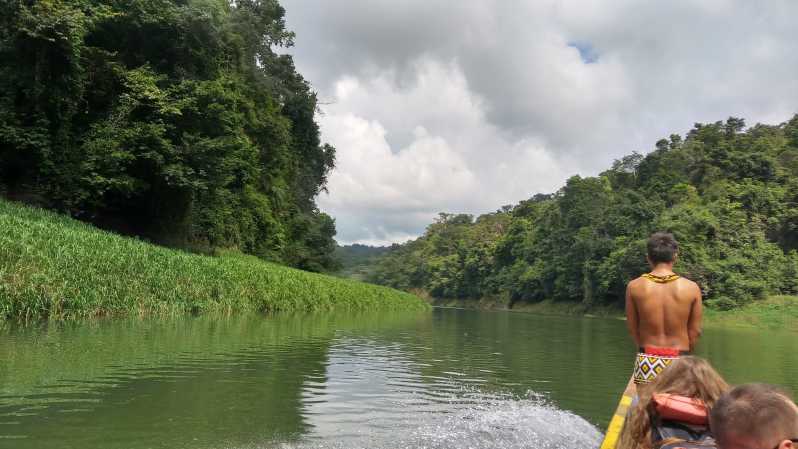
column 505, row 424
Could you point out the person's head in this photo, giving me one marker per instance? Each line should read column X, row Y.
column 755, row 416
column 661, row 248
column 687, row 376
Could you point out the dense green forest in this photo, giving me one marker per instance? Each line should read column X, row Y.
column 729, row 194
column 356, row 261
column 174, row 120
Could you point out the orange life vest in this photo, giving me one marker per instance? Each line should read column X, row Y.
column 681, row 409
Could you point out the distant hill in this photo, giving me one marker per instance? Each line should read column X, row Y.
column 357, row 261
column 728, row 193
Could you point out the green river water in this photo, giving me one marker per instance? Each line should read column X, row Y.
column 441, row 379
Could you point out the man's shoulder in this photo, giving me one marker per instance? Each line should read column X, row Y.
column 691, row 288
column 636, row 285
column 688, row 282
column 637, row 280
column 640, row 281
column 634, row 282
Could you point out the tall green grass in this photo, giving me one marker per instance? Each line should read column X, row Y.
column 775, row 312
column 55, row 267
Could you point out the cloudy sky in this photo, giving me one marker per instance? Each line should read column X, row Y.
column 468, row 105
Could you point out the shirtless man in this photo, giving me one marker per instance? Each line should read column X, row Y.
column 663, row 311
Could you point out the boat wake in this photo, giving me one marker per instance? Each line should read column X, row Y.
column 506, row 424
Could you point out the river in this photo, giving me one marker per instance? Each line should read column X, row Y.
column 442, row 379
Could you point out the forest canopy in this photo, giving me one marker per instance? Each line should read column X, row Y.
column 174, row 120
column 729, row 195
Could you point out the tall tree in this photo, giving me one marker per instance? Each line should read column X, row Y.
column 175, row 120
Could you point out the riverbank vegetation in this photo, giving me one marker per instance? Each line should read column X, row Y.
column 356, row 261
column 729, row 194
column 776, row 312
column 55, row 267
column 177, row 121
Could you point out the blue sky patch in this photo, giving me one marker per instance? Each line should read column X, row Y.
column 588, row 54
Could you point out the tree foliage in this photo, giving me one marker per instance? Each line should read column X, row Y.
column 730, row 196
column 175, row 120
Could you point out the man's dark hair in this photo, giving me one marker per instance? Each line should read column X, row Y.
column 760, row 411
column 662, row 247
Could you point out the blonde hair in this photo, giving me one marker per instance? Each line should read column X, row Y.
column 688, row 376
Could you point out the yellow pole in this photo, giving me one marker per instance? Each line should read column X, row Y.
column 616, row 424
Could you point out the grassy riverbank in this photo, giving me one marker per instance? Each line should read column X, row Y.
column 775, row 312
column 55, row 267
column 539, row 308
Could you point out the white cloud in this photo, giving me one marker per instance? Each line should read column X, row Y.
column 452, row 160
column 466, row 106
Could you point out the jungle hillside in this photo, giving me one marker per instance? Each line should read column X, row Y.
column 727, row 192
column 179, row 122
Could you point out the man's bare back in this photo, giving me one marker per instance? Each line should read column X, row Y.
column 663, row 310
column 664, row 315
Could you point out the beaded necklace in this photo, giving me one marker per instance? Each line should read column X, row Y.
column 661, row 279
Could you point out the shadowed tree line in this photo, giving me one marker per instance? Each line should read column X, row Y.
column 356, row 261
column 729, row 194
column 174, row 120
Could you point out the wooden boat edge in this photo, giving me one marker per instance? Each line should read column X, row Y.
column 615, row 427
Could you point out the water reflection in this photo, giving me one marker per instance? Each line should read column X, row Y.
column 449, row 378
column 202, row 384
column 378, row 395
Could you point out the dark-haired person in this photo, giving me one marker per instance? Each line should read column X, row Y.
column 663, row 310
column 755, row 416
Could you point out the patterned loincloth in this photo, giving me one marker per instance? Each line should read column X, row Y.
column 650, row 362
